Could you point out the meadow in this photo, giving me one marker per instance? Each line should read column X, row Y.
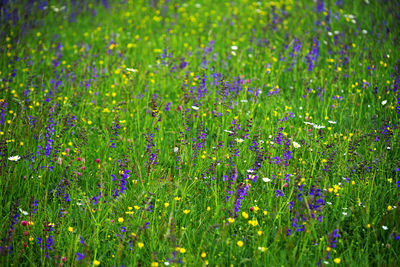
column 199, row 133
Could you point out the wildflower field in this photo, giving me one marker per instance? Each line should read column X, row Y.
column 195, row 133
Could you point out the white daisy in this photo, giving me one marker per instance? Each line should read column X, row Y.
column 296, row 145
column 14, row 158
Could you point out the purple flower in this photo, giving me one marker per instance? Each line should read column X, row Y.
column 80, row 256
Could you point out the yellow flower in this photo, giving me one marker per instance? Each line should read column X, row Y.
column 203, row 255
column 389, row 208
column 260, row 232
column 136, row 207
column 140, row 245
column 120, row 220
column 70, row 229
column 253, row 222
column 337, row 260
column 231, row 220
column 154, row 264
column 182, row 250
column 186, row 211
column 208, row 208
column 166, row 204
column 245, row 215
column 240, row 243
column 96, row 262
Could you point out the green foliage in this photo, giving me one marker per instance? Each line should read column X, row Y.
column 199, row 133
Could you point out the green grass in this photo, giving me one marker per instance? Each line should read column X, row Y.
column 225, row 145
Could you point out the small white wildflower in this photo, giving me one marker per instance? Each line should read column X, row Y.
column 266, row 180
column 296, row 145
column 197, row 5
column 332, row 122
column 166, row 263
column 364, row 31
column 176, row 149
column 23, row 212
column 384, row 227
column 233, row 53
column 228, row 131
column 195, row 108
column 384, row 102
column 329, row 203
column 239, row 140
column 250, row 171
column 14, row 158
column 234, row 47
column 244, row 101
column 131, row 70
